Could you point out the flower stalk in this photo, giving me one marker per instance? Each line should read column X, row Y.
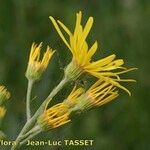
column 29, row 125
column 36, row 132
column 28, row 99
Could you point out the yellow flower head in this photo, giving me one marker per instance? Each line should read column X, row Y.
column 36, row 66
column 54, row 117
column 98, row 94
column 2, row 112
column 82, row 54
column 4, row 94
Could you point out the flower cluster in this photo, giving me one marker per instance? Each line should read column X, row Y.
column 107, row 71
column 79, row 100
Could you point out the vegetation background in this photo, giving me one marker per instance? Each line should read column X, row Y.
column 121, row 27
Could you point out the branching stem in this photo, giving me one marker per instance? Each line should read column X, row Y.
column 30, row 124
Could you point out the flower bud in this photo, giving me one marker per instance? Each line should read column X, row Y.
column 36, row 67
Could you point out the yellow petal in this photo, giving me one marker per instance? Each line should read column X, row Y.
column 116, row 63
column 59, row 31
column 86, row 30
column 101, row 62
column 125, row 80
column 78, row 22
column 120, row 86
column 128, row 70
column 108, row 99
column 65, row 28
column 92, row 50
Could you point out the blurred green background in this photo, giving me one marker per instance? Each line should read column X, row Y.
column 121, row 27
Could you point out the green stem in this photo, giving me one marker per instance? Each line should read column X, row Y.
column 32, row 121
column 28, row 97
column 36, row 128
column 32, row 131
column 30, row 137
column 42, row 107
column 19, row 138
column 24, row 138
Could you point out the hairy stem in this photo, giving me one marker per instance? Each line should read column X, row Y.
column 32, row 131
column 24, row 138
column 28, row 97
column 32, row 121
column 30, row 137
column 42, row 107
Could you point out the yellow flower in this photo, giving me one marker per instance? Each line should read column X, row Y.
column 54, row 117
column 98, row 94
column 36, row 66
column 106, row 68
column 4, row 94
column 2, row 112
